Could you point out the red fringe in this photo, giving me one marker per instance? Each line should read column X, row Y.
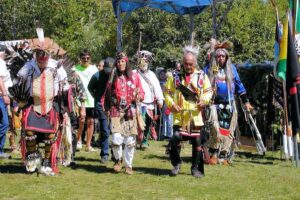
column 70, row 99
column 54, row 151
column 52, row 117
column 140, row 136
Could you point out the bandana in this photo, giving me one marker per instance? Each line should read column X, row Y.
column 122, row 55
column 221, row 52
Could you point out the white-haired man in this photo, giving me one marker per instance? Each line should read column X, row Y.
column 153, row 95
column 186, row 92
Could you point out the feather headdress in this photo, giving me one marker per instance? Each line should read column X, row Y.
column 191, row 49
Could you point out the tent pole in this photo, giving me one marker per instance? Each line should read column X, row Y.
column 214, row 15
column 192, row 32
column 119, row 28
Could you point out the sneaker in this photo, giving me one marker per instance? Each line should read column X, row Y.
column 128, row 170
column 118, row 166
column 104, row 159
column 90, row 149
column 4, row 155
column 196, row 173
column 79, row 146
column 175, row 170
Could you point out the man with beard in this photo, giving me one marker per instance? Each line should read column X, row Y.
column 153, row 96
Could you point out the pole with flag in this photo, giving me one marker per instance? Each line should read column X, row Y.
column 295, row 70
column 281, row 74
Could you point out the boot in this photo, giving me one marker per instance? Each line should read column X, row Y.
column 176, row 170
column 196, row 173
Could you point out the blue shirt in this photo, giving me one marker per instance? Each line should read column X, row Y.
column 223, row 93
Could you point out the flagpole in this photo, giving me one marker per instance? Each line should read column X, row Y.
column 286, row 120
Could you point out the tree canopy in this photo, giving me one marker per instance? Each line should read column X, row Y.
column 91, row 24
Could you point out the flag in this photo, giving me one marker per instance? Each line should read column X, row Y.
column 277, row 38
column 297, row 16
column 293, row 78
column 281, row 67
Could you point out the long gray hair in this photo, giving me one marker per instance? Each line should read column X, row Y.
column 227, row 68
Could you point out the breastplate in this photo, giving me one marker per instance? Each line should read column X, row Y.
column 43, row 92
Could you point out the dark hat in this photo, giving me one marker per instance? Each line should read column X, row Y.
column 109, row 62
column 2, row 47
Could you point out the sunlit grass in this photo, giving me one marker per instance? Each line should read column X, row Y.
column 249, row 177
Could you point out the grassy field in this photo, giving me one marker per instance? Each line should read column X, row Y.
column 249, row 177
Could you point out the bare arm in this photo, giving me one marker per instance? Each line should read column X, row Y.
column 4, row 92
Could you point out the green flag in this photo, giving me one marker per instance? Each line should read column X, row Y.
column 281, row 67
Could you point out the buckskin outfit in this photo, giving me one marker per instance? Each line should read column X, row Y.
column 226, row 82
column 188, row 121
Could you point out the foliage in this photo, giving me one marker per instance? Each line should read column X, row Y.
column 91, row 24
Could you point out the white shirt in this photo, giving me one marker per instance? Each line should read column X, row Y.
column 31, row 69
column 85, row 75
column 149, row 96
column 5, row 75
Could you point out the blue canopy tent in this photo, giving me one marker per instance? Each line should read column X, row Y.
column 180, row 7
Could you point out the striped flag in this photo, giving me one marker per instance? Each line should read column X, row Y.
column 293, row 78
column 281, row 67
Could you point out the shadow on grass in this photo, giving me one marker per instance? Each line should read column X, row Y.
column 255, row 162
column 167, row 158
column 256, row 156
column 93, row 168
column 152, row 171
column 81, row 158
column 155, row 156
column 13, row 168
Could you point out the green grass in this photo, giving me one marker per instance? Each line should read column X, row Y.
column 249, row 177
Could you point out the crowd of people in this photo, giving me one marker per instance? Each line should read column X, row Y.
column 130, row 106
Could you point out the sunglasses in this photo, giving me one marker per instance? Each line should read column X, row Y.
column 41, row 53
column 85, row 58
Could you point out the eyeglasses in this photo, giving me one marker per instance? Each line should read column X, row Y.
column 41, row 53
column 221, row 56
column 85, row 58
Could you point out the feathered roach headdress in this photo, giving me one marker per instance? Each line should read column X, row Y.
column 191, row 49
column 44, row 43
column 222, row 47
